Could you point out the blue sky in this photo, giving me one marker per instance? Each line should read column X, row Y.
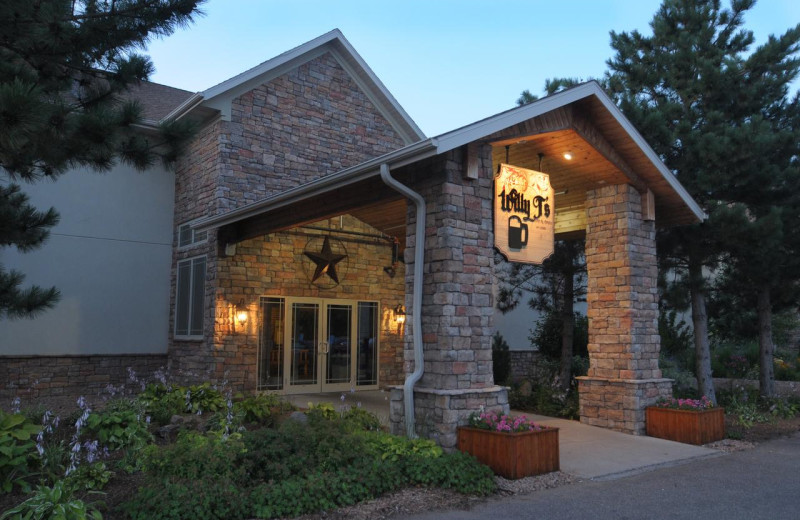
column 448, row 62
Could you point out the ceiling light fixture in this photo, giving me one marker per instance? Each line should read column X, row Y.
column 568, row 156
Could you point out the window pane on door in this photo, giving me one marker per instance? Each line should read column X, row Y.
column 339, row 341
column 270, row 352
column 367, row 361
column 304, row 343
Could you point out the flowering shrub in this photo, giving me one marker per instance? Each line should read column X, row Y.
column 504, row 423
column 704, row 403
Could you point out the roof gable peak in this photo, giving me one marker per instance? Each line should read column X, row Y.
column 333, row 42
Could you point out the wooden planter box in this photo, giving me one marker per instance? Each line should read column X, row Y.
column 512, row 455
column 688, row 426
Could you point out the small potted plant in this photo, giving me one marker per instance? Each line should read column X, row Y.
column 514, row 447
column 692, row 421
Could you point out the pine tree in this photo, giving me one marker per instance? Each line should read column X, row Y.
column 707, row 106
column 65, row 67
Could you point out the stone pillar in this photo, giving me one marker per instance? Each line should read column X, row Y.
column 624, row 344
column 457, row 307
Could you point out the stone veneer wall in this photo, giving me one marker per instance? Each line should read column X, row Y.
column 308, row 123
column 274, row 265
column 457, row 301
column 624, row 344
column 70, row 376
column 524, row 364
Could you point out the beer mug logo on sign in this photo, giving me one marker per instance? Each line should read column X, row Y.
column 517, row 235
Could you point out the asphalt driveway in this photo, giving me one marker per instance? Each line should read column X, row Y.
column 762, row 483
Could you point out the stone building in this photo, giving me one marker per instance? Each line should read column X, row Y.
column 319, row 241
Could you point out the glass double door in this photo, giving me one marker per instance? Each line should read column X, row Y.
column 320, row 345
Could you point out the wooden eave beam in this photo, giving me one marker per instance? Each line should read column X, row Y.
column 559, row 119
column 313, row 209
column 589, row 133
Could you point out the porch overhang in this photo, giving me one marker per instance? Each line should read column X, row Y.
column 582, row 120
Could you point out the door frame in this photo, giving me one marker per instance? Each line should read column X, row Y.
column 322, row 351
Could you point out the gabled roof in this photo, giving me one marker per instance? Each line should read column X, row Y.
column 333, row 42
column 653, row 171
column 157, row 101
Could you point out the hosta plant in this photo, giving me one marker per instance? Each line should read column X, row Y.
column 17, row 450
column 53, row 503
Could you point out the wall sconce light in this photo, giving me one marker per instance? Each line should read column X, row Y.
column 400, row 313
column 241, row 313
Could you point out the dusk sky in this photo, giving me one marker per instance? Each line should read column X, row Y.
column 448, row 62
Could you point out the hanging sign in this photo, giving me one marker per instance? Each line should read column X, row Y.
column 524, row 214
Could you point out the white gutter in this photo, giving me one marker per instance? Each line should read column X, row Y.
column 416, row 296
column 185, row 107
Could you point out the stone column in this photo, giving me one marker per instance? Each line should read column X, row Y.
column 457, row 306
column 624, row 344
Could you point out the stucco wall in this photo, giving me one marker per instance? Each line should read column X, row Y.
column 110, row 258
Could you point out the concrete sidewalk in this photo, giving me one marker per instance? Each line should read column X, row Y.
column 585, row 451
column 600, row 454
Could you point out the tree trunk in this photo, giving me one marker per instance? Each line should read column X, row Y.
column 702, row 349
column 567, row 332
column 766, row 349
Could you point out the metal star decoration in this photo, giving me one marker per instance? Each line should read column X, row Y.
column 326, row 261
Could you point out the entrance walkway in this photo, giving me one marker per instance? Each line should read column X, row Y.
column 585, row 451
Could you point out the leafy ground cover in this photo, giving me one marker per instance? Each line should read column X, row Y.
column 199, row 452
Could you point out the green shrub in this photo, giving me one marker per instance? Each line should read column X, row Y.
column 546, row 337
column 162, row 402
column 676, row 336
column 786, row 370
column 683, row 381
column 204, row 398
column 744, row 405
column 359, row 419
column 53, row 503
column 185, row 499
column 457, row 471
column 90, row 477
column 118, row 430
column 394, row 448
column 366, row 479
column 324, row 490
column 195, row 456
column 501, row 359
column 782, row 408
column 297, row 468
column 735, row 360
column 321, row 411
column 17, row 450
column 256, row 409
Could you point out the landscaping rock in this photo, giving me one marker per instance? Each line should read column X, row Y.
column 167, row 432
column 526, row 389
column 299, row 417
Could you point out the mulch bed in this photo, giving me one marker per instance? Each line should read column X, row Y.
column 760, row 432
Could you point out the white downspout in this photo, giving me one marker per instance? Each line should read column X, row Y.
column 416, row 296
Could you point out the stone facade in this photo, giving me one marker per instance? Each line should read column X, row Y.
column 55, row 376
column 273, row 265
column 624, row 344
column 457, row 301
column 524, row 365
column 310, row 122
